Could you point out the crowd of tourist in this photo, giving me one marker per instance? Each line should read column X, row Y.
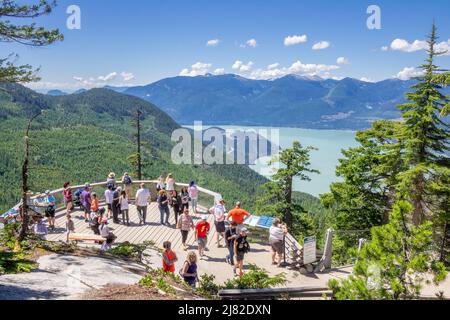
column 231, row 233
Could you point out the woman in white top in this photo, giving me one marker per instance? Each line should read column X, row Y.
column 170, row 183
column 277, row 232
column 161, row 184
column 124, row 209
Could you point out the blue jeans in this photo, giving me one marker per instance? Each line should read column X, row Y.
column 164, row 211
column 231, row 252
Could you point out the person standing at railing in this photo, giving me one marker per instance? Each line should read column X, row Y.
column 163, row 206
column 127, row 184
column 116, row 205
column 70, row 226
column 124, row 209
column 277, row 233
column 185, row 224
column 193, row 195
column 142, row 202
column 111, row 180
column 50, row 202
column 161, row 185
column 86, row 201
column 68, row 197
column 170, row 183
column 109, row 194
column 238, row 215
column 175, row 203
column 95, row 205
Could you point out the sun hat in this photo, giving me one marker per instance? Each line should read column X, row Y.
column 111, row 175
column 204, row 217
column 47, row 191
column 244, row 230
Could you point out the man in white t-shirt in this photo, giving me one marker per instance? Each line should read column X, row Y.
column 142, row 202
column 277, row 233
column 109, row 195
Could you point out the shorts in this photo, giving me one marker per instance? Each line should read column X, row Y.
column 220, row 226
column 184, row 235
column 50, row 213
column 109, row 206
column 194, row 202
column 202, row 242
column 239, row 256
column 87, row 208
column 277, row 246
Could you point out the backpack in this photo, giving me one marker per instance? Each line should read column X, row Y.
column 127, row 180
column 243, row 246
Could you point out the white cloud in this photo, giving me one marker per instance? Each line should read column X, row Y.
column 108, row 77
column 219, row 71
column 408, row 73
column 293, row 40
column 212, row 43
column 241, row 66
column 384, row 48
column 417, row 45
column 321, row 45
column 127, row 76
column 273, row 66
column 252, row 43
column 249, row 43
column 342, row 60
column 197, row 69
column 297, row 68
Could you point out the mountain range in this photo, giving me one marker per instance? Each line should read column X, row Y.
column 290, row 101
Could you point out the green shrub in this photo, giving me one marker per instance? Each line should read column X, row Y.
column 256, row 278
column 207, row 287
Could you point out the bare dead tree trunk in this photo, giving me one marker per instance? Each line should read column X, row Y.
column 139, row 158
column 25, row 189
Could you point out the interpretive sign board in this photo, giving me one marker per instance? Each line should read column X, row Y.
column 309, row 250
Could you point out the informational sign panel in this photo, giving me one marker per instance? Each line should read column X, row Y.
column 262, row 222
column 309, row 250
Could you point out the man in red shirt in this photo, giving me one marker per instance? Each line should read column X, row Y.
column 201, row 234
column 238, row 215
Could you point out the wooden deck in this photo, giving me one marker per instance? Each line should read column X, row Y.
column 135, row 233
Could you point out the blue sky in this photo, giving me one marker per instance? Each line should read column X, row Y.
column 142, row 41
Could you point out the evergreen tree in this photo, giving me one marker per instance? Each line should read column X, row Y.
column 426, row 135
column 365, row 196
column 394, row 264
column 277, row 195
column 29, row 34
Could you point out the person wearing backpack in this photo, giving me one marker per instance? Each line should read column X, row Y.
column 169, row 258
column 230, row 235
column 189, row 270
column 50, row 211
column 127, row 184
column 95, row 220
column 241, row 247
